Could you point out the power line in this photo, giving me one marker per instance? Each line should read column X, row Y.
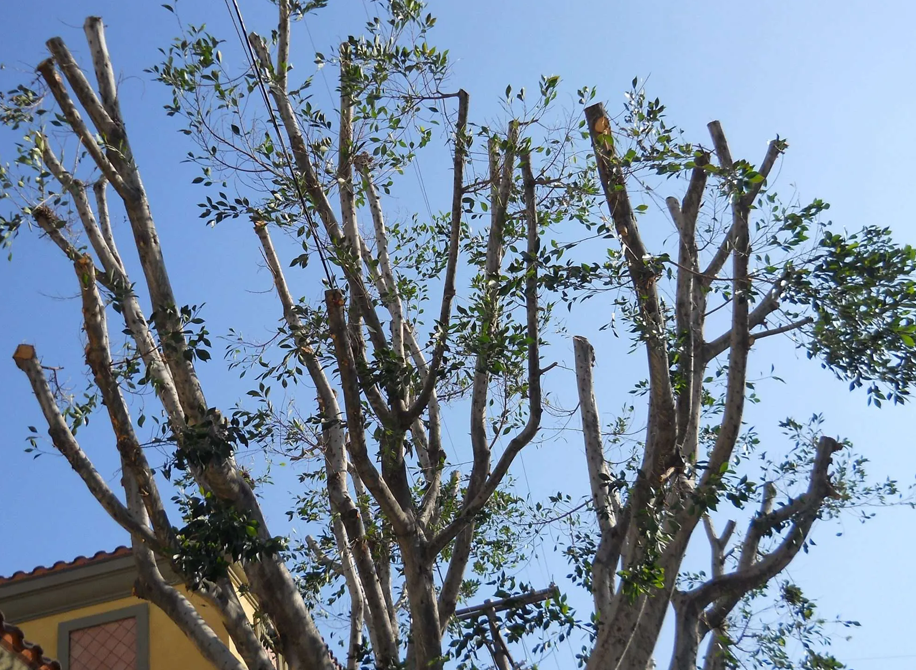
column 235, row 12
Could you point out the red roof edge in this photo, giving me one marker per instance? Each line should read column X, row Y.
column 61, row 566
column 13, row 639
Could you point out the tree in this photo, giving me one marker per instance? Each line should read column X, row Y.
column 394, row 506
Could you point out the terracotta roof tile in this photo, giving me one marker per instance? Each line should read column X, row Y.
column 12, row 638
column 60, row 566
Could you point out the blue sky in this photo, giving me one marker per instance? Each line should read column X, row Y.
column 836, row 79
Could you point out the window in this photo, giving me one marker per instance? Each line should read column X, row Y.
column 116, row 640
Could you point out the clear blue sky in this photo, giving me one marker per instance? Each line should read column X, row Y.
column 836, row 79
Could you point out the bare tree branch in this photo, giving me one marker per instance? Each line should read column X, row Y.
column 801, row 512
column 718, row 543
column 448, row 290
column 300, row 641
column 283, row 64
column 740, row 330
column 152, row 587
column 688, row 316
column 115, row 280
column 473, row 505
column 316, row 192
column 101, row 204
column 764, row 308
column 795, row 325
column 384, row 638
column 774, row 149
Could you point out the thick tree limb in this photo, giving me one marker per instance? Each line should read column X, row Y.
column 115, row 280
column 726, row 590
column 686, row 633
column 399, row 519
column 356, row 553
column 428, row 446
column 282, row 67
column 152, row 587
column 716, row 651
column 379, row 545
column 646, row 628
column 358, row 605
column 599, row 477
column 63, row 440
column 355, row 644
column 78, row 82
column 98, row 356
column 661, row 449
column 119, row 168
column 717, row 544
column 501, row 176
column 435, row 453
column 222, row 595
column 501, row 180
column 388, row 287
column 345, row 189
column 662, row 429
column 454, row 576
column 139, row 480
column 81, row 130
column 94, row 29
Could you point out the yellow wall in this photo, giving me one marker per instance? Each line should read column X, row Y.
column 169, row 648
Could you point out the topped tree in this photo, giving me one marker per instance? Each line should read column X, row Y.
column 404, row 528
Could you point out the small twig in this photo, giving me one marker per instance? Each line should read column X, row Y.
column 782, row 329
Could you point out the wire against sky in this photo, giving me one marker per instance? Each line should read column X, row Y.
column 235, row 13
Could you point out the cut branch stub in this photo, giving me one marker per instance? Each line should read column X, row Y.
column 23, row 353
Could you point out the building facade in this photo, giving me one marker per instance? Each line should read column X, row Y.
column 83, row 614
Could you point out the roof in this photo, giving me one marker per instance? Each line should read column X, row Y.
column 61, row 566
column 12, row 639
